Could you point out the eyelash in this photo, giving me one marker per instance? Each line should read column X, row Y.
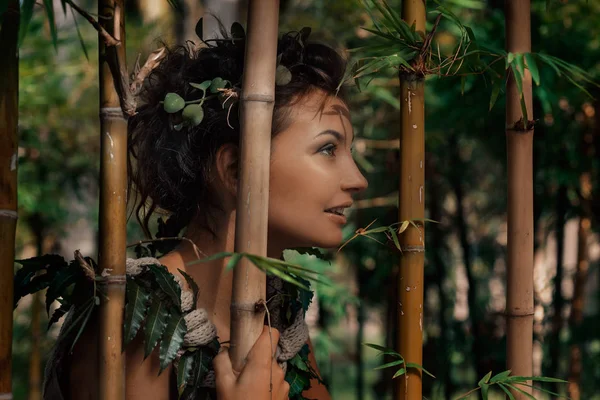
column 328, row 150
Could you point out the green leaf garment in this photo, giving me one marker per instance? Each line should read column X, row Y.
column 160, row 307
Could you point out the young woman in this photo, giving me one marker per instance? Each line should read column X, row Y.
column 191, row 172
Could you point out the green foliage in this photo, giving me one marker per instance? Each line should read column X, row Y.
column 398, row 362
column 507, row 382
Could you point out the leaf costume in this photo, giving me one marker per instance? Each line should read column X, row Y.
column 158, row 304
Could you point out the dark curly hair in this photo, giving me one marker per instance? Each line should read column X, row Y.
column 169, row 168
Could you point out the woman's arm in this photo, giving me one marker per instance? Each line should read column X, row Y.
column 317, row 390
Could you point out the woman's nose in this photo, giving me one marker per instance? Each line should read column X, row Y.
column 353, row 180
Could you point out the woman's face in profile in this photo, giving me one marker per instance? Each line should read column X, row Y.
column 313, row 176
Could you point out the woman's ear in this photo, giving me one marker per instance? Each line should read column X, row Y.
column 227, row 167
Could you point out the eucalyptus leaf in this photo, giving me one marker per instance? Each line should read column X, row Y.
column 155, row 325
column 135, row 309
column 172, row 339
column 192, row 285
column 297, row 382
column 58, row 313
column 63, row 279
column 167, row 283
column 184, row 370
column 173, row 103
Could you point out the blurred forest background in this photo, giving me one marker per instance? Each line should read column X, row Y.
column 464, row 326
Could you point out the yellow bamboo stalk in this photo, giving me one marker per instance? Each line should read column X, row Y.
column 519, row 287
column 257, row 101
column 113, row 186
column 411, row 206
column 9, row 112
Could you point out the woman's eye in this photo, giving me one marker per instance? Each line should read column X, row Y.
column 328, row 150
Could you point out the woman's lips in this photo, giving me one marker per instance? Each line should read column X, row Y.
column 337, row 218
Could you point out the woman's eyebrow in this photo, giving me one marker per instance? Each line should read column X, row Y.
column 333, row 133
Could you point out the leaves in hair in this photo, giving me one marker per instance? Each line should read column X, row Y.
column 283, row 75
column 173, row 103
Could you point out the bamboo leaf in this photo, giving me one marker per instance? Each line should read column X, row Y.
column 26, row 14
column 156, row 322
column 83, row 46
column 484, row 390
column 172, row 339
column 498, row 83
column 398, row 373
column 519, row 82
column 508, row 392
column 533, row 69
column 500, row 376
column 417, row 366
column 51, row 21
column 135, row 309
column 395, row 238
column 520, row 63
column 235, row 258
column 184, row 370
column 390, row 364
column 485, row 379
column 513, row 387
column 167, row 283
column 192, row 285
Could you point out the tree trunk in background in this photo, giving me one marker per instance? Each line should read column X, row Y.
column 185, row 25
column 558, row 300
column 577, row 305
column 256, row 116
column 438, row 238
column 475, row 316
column 519, row 288
column 411, row 207
column 112, row 219
column 9, row 114
column 360, row 368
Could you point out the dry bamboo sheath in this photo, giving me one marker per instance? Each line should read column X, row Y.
column 257, row 101
column 113, row 186
column 519, row 287
column 411, row 207
column 9, row 92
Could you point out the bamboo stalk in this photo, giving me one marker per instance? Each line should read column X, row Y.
column 35, row 358
column 519, row 288
column 9, row 112
column 411, row 206
column 257, row 102
column 113, row 185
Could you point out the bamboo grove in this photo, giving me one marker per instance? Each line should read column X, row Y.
column 398, row 40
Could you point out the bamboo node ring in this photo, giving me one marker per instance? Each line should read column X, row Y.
column 9, row 214
column 107, row 279
column 262, row 98
column 248, row 307
column 522, row 314
column 413, row 249
column 111, row 113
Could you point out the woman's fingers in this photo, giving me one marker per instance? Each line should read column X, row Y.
column 263, row 350
column 224, row 375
